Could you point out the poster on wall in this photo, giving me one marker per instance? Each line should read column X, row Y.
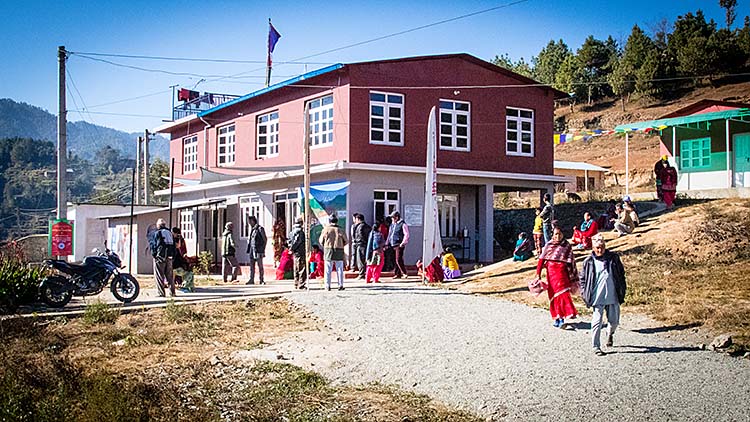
column 60, row 241
column 118, row 241
column 326, row 199
column 413, row 215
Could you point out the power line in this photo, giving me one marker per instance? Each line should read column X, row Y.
column 406, row 31
column 168, row 72
column 121, row 114
column 188, row 59
column 131, row 98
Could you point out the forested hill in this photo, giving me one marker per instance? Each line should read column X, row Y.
column 21, row 120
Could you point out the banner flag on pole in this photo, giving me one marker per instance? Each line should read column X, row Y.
column 273, row 38
column 432, row 245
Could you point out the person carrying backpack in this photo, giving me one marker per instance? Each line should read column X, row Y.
column 161, row 243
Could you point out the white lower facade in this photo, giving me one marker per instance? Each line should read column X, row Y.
column 465, row 203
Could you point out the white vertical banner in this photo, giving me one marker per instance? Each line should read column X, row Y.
column 431, row 243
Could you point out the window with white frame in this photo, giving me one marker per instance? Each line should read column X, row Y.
column 448, row 215
column 187, row 225
column 249, row 206
column 321, row 121
column 226, row 146
column 385, row 202
column 386, row 118
column 268, row 135
column 455, row 125
column 519, row 131
column 189, row 154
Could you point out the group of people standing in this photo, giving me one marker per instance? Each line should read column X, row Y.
column 170, row 261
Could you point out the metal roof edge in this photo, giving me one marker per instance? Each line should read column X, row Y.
column 273, row 87
column 674, row 121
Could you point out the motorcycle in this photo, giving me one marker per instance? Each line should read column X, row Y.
column 87, row 279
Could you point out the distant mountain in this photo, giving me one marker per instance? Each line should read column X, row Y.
column 84, row 139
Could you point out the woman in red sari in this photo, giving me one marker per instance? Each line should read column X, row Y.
column 316, row 262
column 562, row 277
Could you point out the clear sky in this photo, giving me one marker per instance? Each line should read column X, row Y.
column 238, row 30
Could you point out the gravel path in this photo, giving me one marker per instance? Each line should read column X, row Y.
column 505, row 360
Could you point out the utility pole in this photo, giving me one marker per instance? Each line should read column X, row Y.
column 308, row 212
column 137, row 196
column 146, row 138
column 62, row 138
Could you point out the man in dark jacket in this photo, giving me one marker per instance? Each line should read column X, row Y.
column 296, row 242
column 359, row 244
column 603, row 288
column 256, row 248
column 547, row 215
column 161, row 243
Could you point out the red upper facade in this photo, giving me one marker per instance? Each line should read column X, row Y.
column 489, row 119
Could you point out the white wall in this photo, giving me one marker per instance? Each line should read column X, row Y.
column 89, row 231
column 702, row 180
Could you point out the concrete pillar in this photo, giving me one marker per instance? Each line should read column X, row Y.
column 486, row 225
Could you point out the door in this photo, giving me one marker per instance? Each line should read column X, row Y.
column 742, row 160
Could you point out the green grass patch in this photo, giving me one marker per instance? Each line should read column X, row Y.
column 99, row 312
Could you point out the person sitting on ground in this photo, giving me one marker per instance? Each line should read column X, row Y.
column 433, row 273
column 623, row 223
column 524, row 250
column 605, row 219
column 582, row 236
column 629, row 207
column 316, row 262
column 538, row 233
column 451, row 269
column 285, row 270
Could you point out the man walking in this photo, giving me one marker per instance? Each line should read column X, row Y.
column 228, row 250
column 603, row 289
column 359, row 244
column 547, row 215
column 297, row 243
column 333, row 241
column 256, row 249
column 398, row 237
column 162, row 250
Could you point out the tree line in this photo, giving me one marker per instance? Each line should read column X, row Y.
column 653, row 65
column 28, row 182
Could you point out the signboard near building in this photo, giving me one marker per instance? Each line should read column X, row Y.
column 60, row 237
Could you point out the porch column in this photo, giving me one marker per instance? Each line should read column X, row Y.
column 627, row 164
column 486, row 223
column 729, row 158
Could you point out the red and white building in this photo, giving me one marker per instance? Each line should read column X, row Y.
column 368, row 131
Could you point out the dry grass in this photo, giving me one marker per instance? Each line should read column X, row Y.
column 157, row 365
column 688, row 267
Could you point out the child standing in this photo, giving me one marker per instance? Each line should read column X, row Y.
column 538, row 233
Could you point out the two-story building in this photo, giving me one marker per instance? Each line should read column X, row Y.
column 367, row 135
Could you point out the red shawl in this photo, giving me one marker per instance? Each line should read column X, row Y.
column 559, row 251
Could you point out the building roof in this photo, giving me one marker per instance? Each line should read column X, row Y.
column 577, row 165
column 315, row 73
column 705, row 106
column 175, row 206
column 742, row 114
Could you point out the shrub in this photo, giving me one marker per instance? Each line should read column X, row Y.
column 175, row 312
column 18, row 281
column 99, row 312
column 205, row 262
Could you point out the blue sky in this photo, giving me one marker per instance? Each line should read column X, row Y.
column 238, row 30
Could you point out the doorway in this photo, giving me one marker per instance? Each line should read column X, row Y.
column 742, row 160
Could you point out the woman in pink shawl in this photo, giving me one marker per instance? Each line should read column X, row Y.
column 562, row 277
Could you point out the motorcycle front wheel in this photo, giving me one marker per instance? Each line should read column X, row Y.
column 125, row 288
column 54, row 293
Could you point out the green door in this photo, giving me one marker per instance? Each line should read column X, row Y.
column 742, row 160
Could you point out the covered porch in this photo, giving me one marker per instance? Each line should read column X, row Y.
column 711, row 151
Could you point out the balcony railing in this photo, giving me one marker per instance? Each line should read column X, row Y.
column 202, row 103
